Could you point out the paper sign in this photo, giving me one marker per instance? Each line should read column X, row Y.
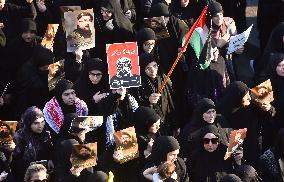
column 123, row 65
column 83, row 156
column 7, row 131
column 56, row 73
column 158, row 25
column 87, row 123
column 263, row 93
column 237, row 41
column 126, row 143
column 236, row 139
column 64, row 9
column 48, row 39
column 80, row 30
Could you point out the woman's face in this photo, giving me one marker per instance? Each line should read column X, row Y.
column 210, row 142
column 106, row 14
column 218, row 19
column 209, row 116
column 151, row 70
column 155, row 127
column 68, row 97
column 95, row 76
column 172, row 156
column 39, row 176
column 246, row 99
column 149, row 45
column 38, row 125
column 280, row 68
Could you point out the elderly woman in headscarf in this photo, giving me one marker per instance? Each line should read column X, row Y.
column 204, row 115
column 240, row 112
column 92, row 85
column 271, row 166
column 112, row 26
column 147, row 94
column 33, row 142
column 166, row 149
column 207, row 163
column 63, row 103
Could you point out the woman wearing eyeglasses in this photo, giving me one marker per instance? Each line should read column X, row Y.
column 204, row 115
column 208, row 164
column 92, row 85
column 147, row 94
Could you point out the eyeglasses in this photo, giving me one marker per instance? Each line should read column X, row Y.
column 38, row 180
column 149, row 44
column 155, row 66
column 95, row 74
column 212, row 140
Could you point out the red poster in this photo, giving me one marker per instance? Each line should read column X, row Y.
column 123, row 65
column 236, row 139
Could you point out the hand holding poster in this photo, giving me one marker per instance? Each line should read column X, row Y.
column 263, row 93
column 236, row 139
column 80, row 31
column 47, row 41
column 83, row 156
column 123, row 65
column 237, row 41
column 55, row 73
column 126, row 145
column 87, row 123
column 7, row 130
column 158, row 25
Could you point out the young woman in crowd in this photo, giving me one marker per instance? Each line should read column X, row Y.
column 166, row 149
column 207, row 163
column 146, row 40
column 147, row 94
column 63, row 103
column 92, row 85
column 204, row 115
column 33, row 143
column 236, row 107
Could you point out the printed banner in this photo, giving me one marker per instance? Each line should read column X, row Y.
column 87, row 123
column 80, row 30
column 126, row 144
column 237, row 41
column 159, row 26
column 236, row 139
column 83, row 156
column 263, row 93
column 48, row 39
column 56, row 73
column 7, row 131
column 123, row 65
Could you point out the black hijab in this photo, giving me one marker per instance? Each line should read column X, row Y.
column 62, row 86
column 144, row 35
column 202, row 106
column 161, row 147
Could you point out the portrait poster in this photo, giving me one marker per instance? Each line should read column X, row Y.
column 83, row 156
column 55, row 73
column 158, row 25
column 126, row 143
column 7, row 131
column 123, row 65
column 87, row 123
column 49, row 35
column 237, row 41
column 64, row 9
column 80, row 30
column 263, row 93
column 236, row 139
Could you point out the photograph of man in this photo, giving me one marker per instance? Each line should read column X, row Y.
column 83, row 35
column 84, row 155
column 124, row 77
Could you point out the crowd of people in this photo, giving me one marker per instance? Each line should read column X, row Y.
column 182, row 130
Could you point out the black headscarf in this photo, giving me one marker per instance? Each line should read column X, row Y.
column 30, row 115
column 214, row 8
column 119, row 18
column 232, row 98
column 145, row 117
column 42, row 56
column 159, row 9
column 28, row 25
column 161, row 147
column 62, row 86
column 202, row 106
column 247, row 173
column 143, row 35
column 144, row 60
